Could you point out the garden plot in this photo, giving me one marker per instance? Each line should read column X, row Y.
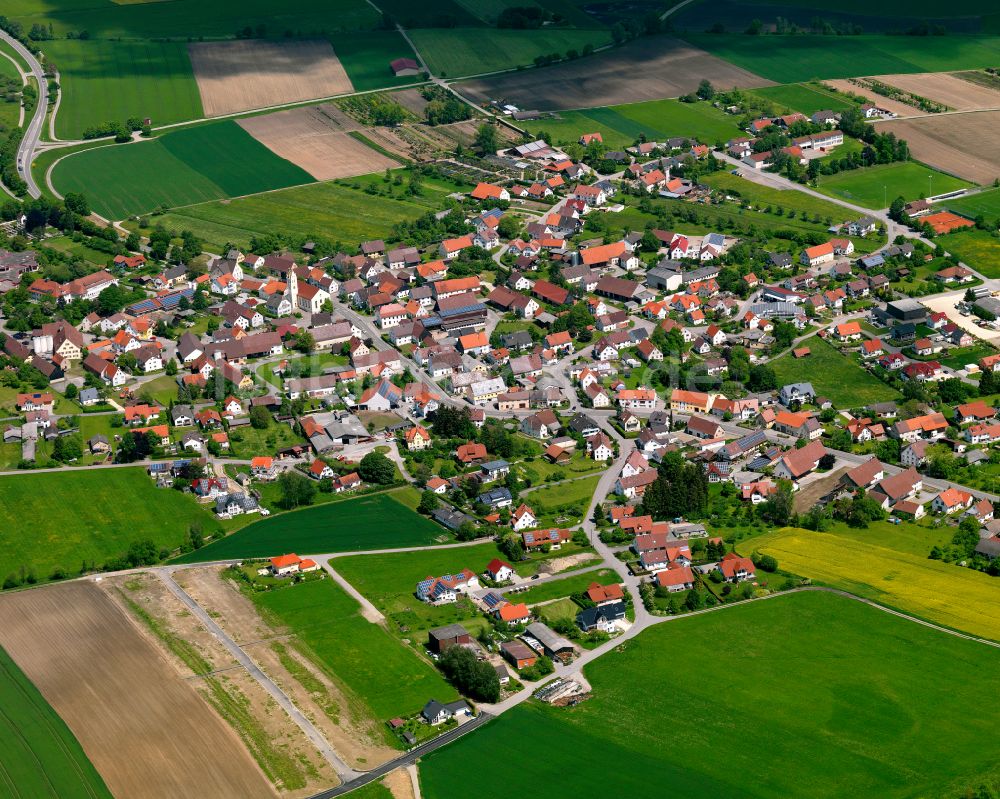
column 247, row 74
column 317, row 141
column 947, row 89
column 965, row 145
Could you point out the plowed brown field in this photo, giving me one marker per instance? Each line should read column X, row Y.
column 967, row 145
column 944, row 88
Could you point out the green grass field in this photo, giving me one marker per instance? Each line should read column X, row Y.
column 789, row 59
column 763, row 196
column 985, row 203
column 459, row 52
column 330, row 210
column 958, row 358
column 835, row 697
column 366, row 56
column 379, row 521
column 980, row 249
column 39, row 756
column 872, row 186
column 550, row 503
column 381, row 674
column 61, row 519
column 807, row 98
column 838, row 377
column 556, row 589
column 892, row 568
column 206, row 162
column 105, row 81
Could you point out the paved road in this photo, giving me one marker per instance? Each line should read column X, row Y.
column 345, row 772
column 26, row 151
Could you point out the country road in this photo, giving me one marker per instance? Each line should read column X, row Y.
column 26, row 150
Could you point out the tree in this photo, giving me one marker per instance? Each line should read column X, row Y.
column 429, row 502
column 764, row 562
column 296, row 489
column 77, row 203
column 260, row 417
column 761, row 378
column 71, row 391
column 511, row 546
column 779, row 508
column 377, row 468
column 705, row 90
column 67, row 448
column 475, row 678
column 486, row 138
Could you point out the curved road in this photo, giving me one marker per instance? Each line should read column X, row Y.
column 26, row 151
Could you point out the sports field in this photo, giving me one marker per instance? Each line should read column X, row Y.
column 61, row 519
column 871, row 186
column 105, row 81
column 806, row 98
column 834, row 696
column 838, row 377
column 39, row 756
column 206, row 162
column 788, row 59
column 980, row 249
column 385, row 677
column 900, row 576
column 336, row 211
column 379, row 521
column 985, row 203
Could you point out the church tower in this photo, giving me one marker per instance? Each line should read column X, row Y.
column 293, row 289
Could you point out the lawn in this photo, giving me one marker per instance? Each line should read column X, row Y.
column 958, row 358
column 162, row 389
column 878, row 567
column 104, row 81
column 871, row 186
column 385, row 677
column 789, row 200
column 462, row 52
column 984, row 203
column 561, row 503
column 788, row 59
column 248, row 441
column 839, row 377
column 557, row 589
column 80, row 250
column 806, row 98
column 206, row 162
column 378, row 521
column 60, row 519
column 39, row 756
column 980, row 249
column 835, row 697
column 336, row 211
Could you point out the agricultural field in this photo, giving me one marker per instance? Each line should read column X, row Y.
column 838, row 377
column 876, row 567
column 959, row 144
column 206, row 162
column 339, row 211
column 980, row 249
column 39, row 756
column 650, row 68
column 379, row 521
column 870, row 186
column 386, row 678
column 947, row 89
column 806, row 98
column 366, row 56
column 95, row 519
column 789, row 59
column 104, row 81
column 983, row 203
column 138, row 717
column 820, row 677
column 245, row 74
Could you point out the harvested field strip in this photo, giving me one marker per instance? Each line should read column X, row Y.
column 39, row 757
column 949, row 90
column 960, row 144
column 245, row 74
column 138, row 718
column 187, row 166
column 895, row 106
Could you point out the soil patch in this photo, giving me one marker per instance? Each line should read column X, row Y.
column 145, row 728
column 966, row 145
column 246, row 74
column 556, row 565
column 412, row 100
column 318, row 140
column 947, row 89
column 649, row 69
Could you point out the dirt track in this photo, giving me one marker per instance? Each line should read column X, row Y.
column 648, row 69
column 967, row 145
column 315, row 140
column 145, row 729
column 944, row 88
column 246, row 74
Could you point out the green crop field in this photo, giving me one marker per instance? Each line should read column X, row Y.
column 834, row 696
column 807, row 98
column 893, row 570
column 379, row 672
column 459, row 52
column 378, row 521
column 105, row 81
column 980, row 249
column 206, row 162
column 872, row 186
column 336, row 211
column 788, row 59
column 366, row 56
column 839, row 377
column 94, row 517
column 39, row 756
column 984, row 203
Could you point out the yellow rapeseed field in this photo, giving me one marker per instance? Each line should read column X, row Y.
column 943, row 593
